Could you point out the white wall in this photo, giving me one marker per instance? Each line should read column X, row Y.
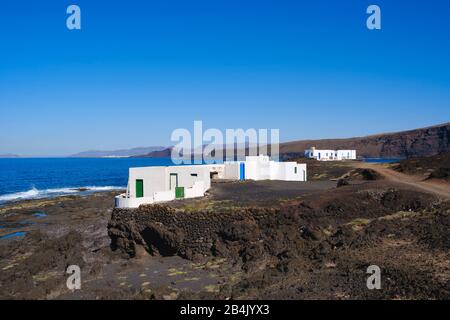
column 156, row 182
column 287, row 171
column 347, row 154
column 219, row 168
column 262, row 168
column 157, row 179
column 197, row 190
column 186, row 178
column 161, row 196
column 196, row 179
column 123, row 202
column 232, row 170
column 257, row 167
column 325, row 155
column 154, row 179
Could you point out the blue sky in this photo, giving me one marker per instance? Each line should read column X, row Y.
column 140, row 69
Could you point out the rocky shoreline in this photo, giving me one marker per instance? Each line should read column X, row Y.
column 329, row 243
column 251, row 240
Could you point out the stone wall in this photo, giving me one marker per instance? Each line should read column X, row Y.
column 254, row 236
column 166, row 231
column 251, row 234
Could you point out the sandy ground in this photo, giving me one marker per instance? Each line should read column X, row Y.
column 319, row 246
column 437, row 187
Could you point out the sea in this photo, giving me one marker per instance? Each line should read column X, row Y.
column 383, row 160
column 37, row 178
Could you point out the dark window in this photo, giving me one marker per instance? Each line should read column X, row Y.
column 194, row 174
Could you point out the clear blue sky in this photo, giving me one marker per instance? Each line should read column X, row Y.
column 139, row 69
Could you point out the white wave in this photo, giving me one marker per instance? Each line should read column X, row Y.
column 34, row 193
column 20, row 195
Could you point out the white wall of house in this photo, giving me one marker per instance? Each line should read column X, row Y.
column 347, row 154
column 121, row 201
column 327, row 155
column 188, row 175
column 257, row 168
column 197, row 190
column 161, row 196
column 288, row 171
column 262, row 168
column 218, row 169
column 154, row 179
column 159, row 182
column 232, row 170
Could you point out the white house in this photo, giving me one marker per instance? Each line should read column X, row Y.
column 327, row 155
column 149, row 185
column 262, row 168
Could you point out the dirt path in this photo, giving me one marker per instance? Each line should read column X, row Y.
column 440, row 188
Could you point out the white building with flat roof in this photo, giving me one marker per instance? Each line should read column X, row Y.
column 262, row 168
column 330, row 155
column 149, row 185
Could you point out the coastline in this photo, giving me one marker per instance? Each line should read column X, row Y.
column 73, row 230
column 33, row 178
column 49, row 235
column 56, row 193
column 72, row 204
column 342, row 229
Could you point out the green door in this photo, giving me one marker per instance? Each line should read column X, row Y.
column 139, row 188
column 179, row 192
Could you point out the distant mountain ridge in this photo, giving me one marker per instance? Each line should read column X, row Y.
column 117, row 153
column 165, row 153
column 9, row 155
column 404, row 144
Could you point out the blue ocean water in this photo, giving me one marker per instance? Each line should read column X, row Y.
column 382, row 160
column 35, row 178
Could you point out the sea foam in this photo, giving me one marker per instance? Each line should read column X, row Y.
column 34, row 193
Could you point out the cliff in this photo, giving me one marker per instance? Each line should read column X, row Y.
column 412, row 143
column 405, row 144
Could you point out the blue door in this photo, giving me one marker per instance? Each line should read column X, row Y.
column 242, row 171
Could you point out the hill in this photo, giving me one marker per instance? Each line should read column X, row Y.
column 405, row 144
column 116, row 153
column 9, row 155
